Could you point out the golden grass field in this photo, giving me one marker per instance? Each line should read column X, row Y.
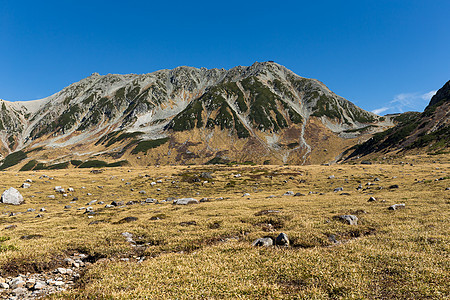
column 401, row 254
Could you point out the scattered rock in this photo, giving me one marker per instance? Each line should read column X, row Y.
column 246, row 195
column 51, row 196
column 12, row 196
column 372, row 199
column 117, row 203
column 25, row 185
column 10, row 227
column 394, row 186
column 289, row 193
column 185, row 201
column 339, row 189
column 59, row 189
column 282, row 240
column 266, row 242
column 397, row 206
column 349, row 219
column 298, row 194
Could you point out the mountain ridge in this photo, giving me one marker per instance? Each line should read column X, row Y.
column 428, row 131
column 263, row 103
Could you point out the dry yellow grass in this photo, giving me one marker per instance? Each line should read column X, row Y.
column 402, row 254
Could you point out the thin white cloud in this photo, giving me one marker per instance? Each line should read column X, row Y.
column 406, row 102
column 380, row 110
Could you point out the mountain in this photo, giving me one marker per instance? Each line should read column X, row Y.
column 261, row 113
column 415, row 132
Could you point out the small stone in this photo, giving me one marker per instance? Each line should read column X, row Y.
column 51, row 196
column 4, row 285
column 59, row 283
column 19, row 291
column 29, row 180
column 70, row 189
column 17, row 283
column 39, row 285
column 67, row 207
column 371, row 199
column 282, row 240
column 289, row 193
column 245, row 195
column 26, row 185
column 142, row 192
column 266, row 242
column 42, row 209
column 331, row 177
column 339, row 189
column 397, row 206
column 394, row 186
column 59, row 189
column 298, row 194
column 61, row 271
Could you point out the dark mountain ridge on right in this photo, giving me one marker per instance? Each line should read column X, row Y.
column 428, row 131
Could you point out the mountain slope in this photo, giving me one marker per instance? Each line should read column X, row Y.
column 264, row 111
column 427, row 131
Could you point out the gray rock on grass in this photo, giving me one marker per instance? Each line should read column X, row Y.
column 25, row 185
column 397, row 206
column 185, row 201
column 265, row 242
column 282, row 240
column 349, row 219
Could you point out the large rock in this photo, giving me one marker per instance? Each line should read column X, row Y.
column 12, row 196
column 349, row 219
column 282, row 240
column 266, row 242
column 185, row 201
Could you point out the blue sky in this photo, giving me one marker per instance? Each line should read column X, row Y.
column 383, row 55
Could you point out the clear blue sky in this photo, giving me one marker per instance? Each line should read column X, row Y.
column 379, row 54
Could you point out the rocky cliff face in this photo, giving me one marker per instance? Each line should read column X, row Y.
column 265, row 110
column 428, row 131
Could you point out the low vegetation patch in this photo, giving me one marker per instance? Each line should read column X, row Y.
column 13, row 159
column 144, row 146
